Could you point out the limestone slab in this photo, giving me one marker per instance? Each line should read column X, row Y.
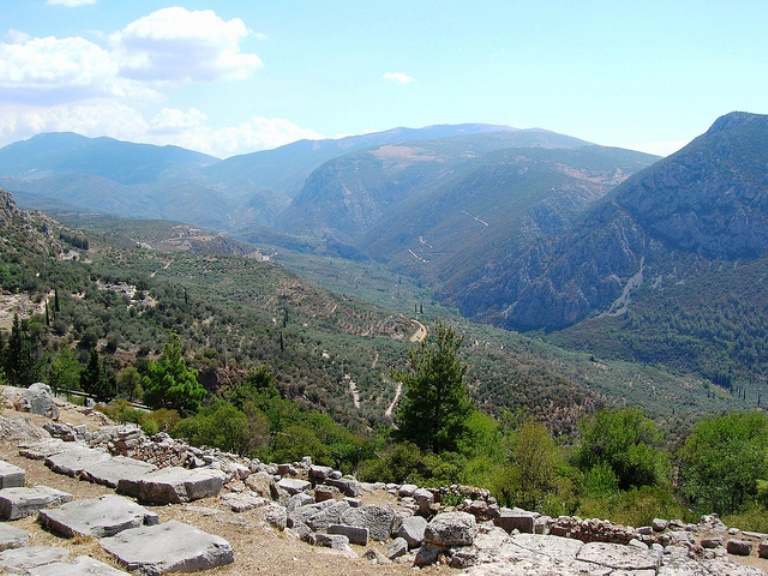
column 354, row 534
column 81, row 566
column 618, row 556
column 12, row 537
column 42, row 449
column 11, row 476
column 169, row 547
column 102, row 517
column 294, row 486
column 110, row 472
column 377, row 519
column 73, row 461
column 20, row 502
column 24, row 559
column 173, row 485
column 519, row 520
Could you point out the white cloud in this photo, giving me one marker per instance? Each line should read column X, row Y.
column 71, row 3
column 51, row 71
column 397, row 77
column 174, row 45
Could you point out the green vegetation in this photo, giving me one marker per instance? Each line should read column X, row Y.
column 170, row 384
column 434, row 409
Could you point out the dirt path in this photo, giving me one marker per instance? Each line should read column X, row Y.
column 398, row 390
column 421, row 332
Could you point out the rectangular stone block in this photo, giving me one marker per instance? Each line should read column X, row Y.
column 106, row 516
column 82, row 566
column 510, row 520
column 72, row 462
column 110, row 472
column 11, row 476
column 173, row 485
column 21, row 502
column 355, row 534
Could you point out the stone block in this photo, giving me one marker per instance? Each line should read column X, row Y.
column 509, row 520
column 334, row 541
column 71, row 462
column 739, row 547
column 398, row 547
column 451, row 529
column 22, row 560
column 42, row 449
column 348, row 486
column 81, row 566
column 169, row 547
column 20, row 502
column 407, row 490
column 294, row 486
column 324, row 492
column 762, row 549
column 355, row 534
column 110, row 472
column 37, row 399
column 11, row 476
column 173, row 485
column 712, row 542
column 412, row 530
column 377, row 519
column 106, row 516
column 12, row 537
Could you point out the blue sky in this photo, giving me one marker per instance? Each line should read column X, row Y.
column 235, row 76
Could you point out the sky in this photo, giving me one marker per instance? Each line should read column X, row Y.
column 229, row 77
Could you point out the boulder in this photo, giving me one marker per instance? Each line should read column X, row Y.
column 20, row 502
column 659, row 524
column 334, row 541
column 347, row 485
column 354, row 534
column 424, row 499
column 106, row 516
column 169, row 547
column 81, row 566
column 12, row 537
column 411, row 529
column 376, row 557
column 712, row 542
column 110, row 472
column 516, row 519
column 263, row 484
column 324, row 492
column 173, row 485
column 318, row 474
column 37, row 399
column 407, row 490
column 22, row 560
column 294, row 486
column 11, row 476
column 276, row 516
column 451, row 529
column 332, row 513
column 397, row 548
column 72, row 461
column 739, row 547
column 428, row 554
column 377, row 519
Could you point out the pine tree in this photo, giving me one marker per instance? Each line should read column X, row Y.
column 96, row 380
column 18, row 360
column 435, row 408
column 170, row 384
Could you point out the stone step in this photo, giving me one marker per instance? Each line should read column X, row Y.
column 106, row 516
column 11, row 476
column 20, row 502
column 23, row 560
column 12, row 537
column 81, row 566
column 173, row 485
column 169, row 547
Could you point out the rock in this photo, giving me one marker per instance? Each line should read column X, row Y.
column 428, row 554
column 411, row 529
column 348, row 486
column 243, row 502
column 276, row 516
column 377, row 519
column 451, row 529
column 12, row 537
column 298, row 500
column 25, row 559
column 762, row 549
column 110, row 472
column 20, row 502
column 263, row 484
column 42, row 449
column 328, row 512
column 82, row 566
column 11, row 476
column 71, row 462
column 354, row 534
column 168, row 547
column 398, row 547
column 335, row 541
column 376, row 557
column 318, row 474
column 618, row 556
column 519, row 520
column 38, row 399
column 173, row 485
column 19, row 429
column 107, row 516
column 407, row 490
column 294, row 486
column 712, row 542
column 659, row 525
column 739, row 547
column 424, row 498
column 323, row 492
column 553, row 547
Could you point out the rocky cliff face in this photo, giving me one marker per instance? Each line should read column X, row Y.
column 710, row 200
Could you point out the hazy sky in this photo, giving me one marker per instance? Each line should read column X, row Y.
column 233, row 76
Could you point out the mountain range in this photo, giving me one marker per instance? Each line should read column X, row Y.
column 599, row 248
